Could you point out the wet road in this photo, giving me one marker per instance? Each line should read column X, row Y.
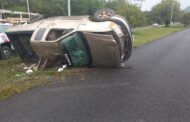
column 155, row 89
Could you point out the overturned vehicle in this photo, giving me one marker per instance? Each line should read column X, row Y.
column 104, row 40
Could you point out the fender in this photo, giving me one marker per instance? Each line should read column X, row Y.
column 123, row 22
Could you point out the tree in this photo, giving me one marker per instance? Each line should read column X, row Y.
column 132, row 13
column 186, row 19
column 49, row 8
column 162, row 12
column 149, row 17
column 86, row 7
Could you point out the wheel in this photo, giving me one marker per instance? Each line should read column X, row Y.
column 6, row 52
column 103, row 15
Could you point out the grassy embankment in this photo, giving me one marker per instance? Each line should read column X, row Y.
column 13, row 79
column 148, row 35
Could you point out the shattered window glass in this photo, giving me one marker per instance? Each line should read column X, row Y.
column 54, row 34
column 74, row 45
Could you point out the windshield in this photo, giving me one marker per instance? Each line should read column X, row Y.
column 76, row 48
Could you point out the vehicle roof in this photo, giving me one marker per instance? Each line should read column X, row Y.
column 24, row 28
column 82, row 23
column 34, row 25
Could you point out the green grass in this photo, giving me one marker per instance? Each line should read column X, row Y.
column 147, row 35
column 13, row 78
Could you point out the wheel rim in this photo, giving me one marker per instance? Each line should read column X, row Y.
column 105, row 14
column 6, row 53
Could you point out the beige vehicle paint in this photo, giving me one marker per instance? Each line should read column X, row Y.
column 105, row 48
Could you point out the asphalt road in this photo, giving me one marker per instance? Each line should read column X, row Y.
column 156, row 88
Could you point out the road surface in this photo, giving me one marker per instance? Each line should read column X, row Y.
column 156, row 88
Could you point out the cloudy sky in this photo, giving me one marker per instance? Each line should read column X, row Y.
column 148, row 4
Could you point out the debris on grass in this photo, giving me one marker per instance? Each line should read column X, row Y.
column 29, row 71
column 62, row 68
column 14, row 78
column 18, row 75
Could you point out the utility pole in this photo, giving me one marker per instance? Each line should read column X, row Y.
column 2, row 5
column 69, row 7
column 172, row 11
column 28, row 7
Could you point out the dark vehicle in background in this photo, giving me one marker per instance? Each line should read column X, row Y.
column 5, row 46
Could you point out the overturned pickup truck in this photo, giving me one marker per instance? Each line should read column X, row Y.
column 102, row 40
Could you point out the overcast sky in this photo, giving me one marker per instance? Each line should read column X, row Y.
column 148, row 4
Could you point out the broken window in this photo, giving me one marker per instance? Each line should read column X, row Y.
column 21, row 43
column 55, row 34
column 75, row 46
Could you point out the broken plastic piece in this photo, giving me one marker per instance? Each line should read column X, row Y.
column 26, row 68
column 62, row 68
column 29, row 71
column 18, row 75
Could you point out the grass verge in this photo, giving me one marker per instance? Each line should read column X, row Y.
column 147, row 35
column 13, row 78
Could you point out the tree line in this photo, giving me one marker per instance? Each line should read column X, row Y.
column 160, row 13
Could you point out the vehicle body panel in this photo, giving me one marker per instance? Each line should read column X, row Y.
column 104, row 49
column 105, row 42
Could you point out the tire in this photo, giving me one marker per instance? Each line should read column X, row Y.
column 103, row 15
column 6, row 52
